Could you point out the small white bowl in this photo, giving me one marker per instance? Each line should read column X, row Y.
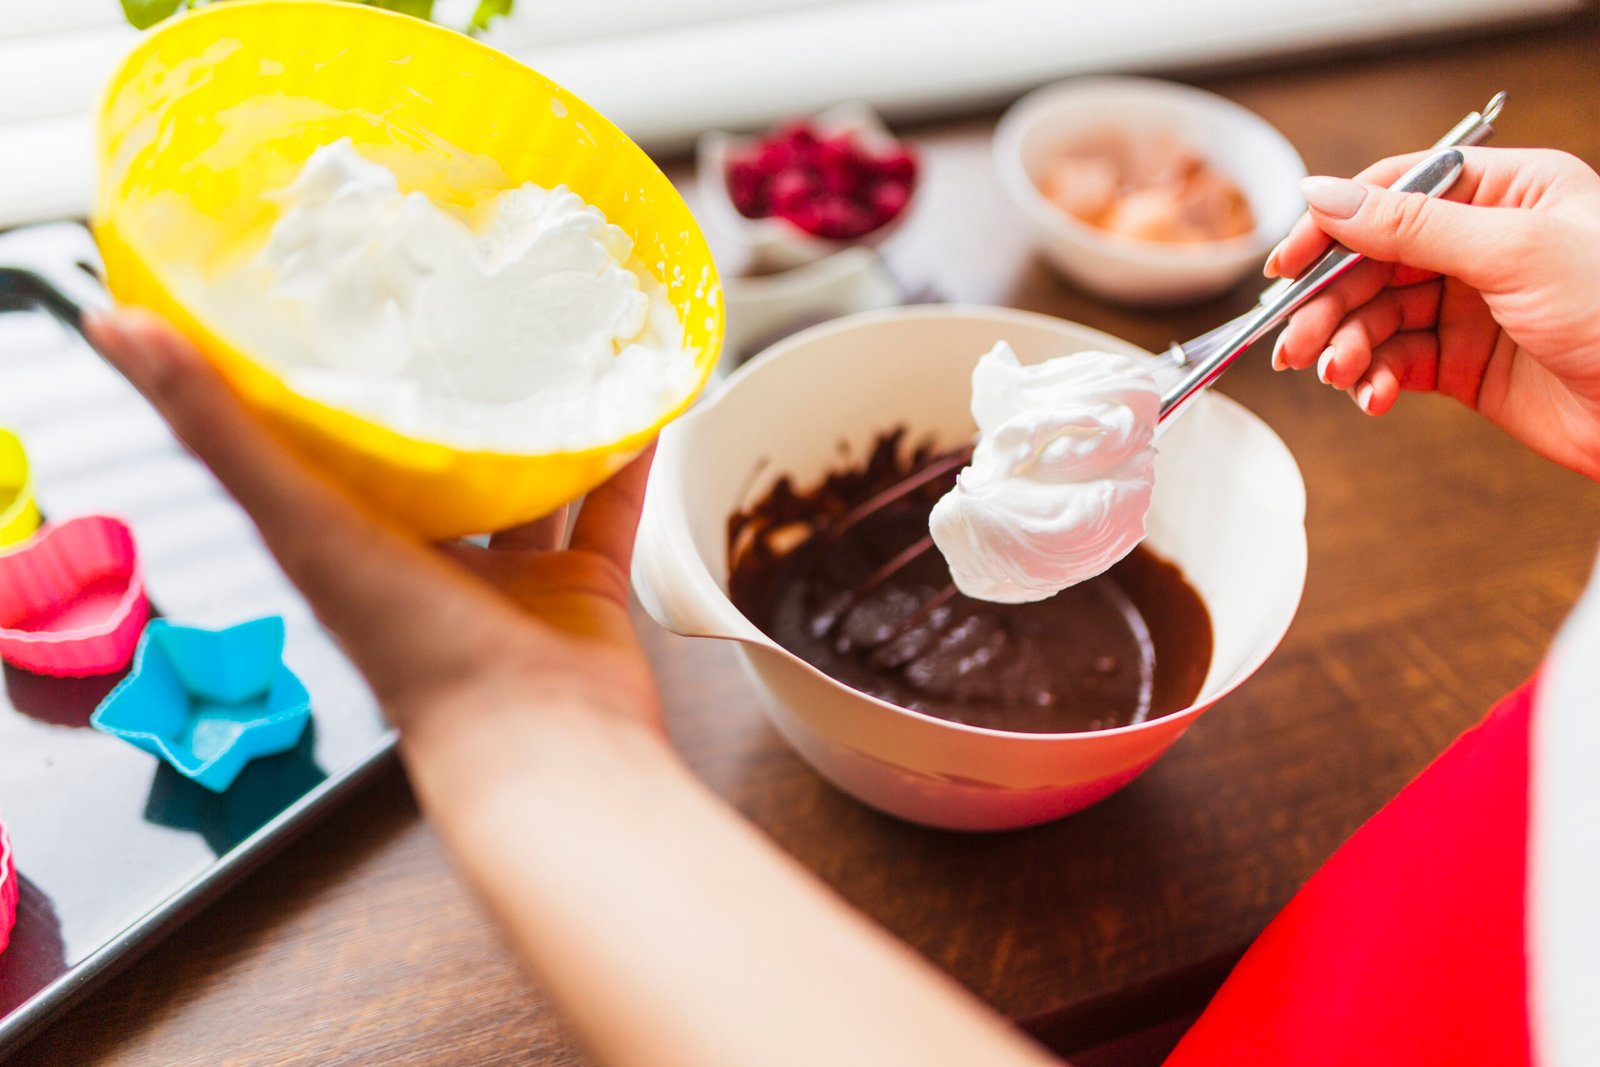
column 775, row 243
column 1229, row 509
column 762, row 307
column 1233, row 139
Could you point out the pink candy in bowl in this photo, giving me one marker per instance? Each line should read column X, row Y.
column 72, row 599
column 1229, row 510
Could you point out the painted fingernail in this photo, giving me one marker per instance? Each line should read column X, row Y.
column 1324, row 362
column 1271, row 269
column 1277, row 354
column 1338, row 198
column 1364, row 397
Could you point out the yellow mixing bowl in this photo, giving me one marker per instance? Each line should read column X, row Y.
column 218, row 108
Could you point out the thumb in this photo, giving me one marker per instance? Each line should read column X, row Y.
column 1431, row 234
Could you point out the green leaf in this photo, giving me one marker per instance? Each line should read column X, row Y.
column 423, row 9
column 146, row 13
column 488, row 11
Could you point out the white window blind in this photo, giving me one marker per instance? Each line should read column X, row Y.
column 666, row 70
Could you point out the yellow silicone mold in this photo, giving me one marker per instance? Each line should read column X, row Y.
column 19, row 512
column 219, row 107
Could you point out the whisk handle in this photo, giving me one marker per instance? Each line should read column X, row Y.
column 54, row 268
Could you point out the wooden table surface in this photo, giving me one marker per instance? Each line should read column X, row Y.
column 1442, row 558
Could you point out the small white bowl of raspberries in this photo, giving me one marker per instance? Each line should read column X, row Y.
column 809, row 187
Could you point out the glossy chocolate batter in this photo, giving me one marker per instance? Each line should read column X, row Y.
column 1130, row 645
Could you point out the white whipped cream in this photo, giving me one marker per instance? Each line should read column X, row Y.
column 517, row 327
column 1060, row 479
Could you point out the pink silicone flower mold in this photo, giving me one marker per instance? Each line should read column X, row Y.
column 8, row 889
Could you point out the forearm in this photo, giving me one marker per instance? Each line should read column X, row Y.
column 669, row 930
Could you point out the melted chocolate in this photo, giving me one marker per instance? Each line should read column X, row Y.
column 1130, row 645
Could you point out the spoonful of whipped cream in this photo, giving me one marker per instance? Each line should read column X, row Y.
column 1060, row 479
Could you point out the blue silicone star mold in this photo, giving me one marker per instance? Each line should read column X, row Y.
column 208, row 701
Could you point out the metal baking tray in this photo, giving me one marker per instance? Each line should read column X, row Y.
column 113, row 847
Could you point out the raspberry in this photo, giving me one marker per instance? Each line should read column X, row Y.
column 746, row 183
column 900, row 166
column 804, row 215
column 777, row 155
column 798, row 133
column 840, row 165
column 859, row 221
column 834, row 218
column 791, row 188
column 889, row 199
